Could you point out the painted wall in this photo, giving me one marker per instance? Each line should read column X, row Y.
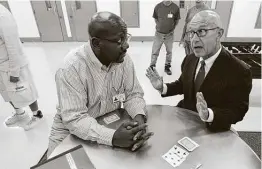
column 242, row 21
column 23, row 14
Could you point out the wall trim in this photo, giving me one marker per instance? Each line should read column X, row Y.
column 142, row 38
column 226, row 39
column 151, row 38
column 240, row 39
column 34, row 39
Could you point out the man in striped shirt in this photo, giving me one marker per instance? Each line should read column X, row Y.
column 91, row 76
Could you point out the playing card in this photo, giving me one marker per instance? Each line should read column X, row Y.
column 188, row 143
column 111, row 119
column 171, row 159
column 175, row 156
column 180, row 152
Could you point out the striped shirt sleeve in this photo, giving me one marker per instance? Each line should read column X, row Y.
column 72, row 96
column 135, row 103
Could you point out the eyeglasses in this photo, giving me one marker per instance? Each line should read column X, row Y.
column 200, row 32
column 121, row 41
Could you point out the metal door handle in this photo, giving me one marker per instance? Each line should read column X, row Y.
column 48, row 5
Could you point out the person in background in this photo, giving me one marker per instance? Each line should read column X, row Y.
column 93, row 76
column 16, row 84
column 214, row 83
column 166, row 15
column 185, row 40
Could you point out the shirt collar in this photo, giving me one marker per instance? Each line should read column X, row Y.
column 211, row 59
column 93, row 58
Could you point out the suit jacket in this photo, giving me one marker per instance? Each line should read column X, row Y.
column 226, row 88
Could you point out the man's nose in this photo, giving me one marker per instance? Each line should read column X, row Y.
column 195, row 38
column 125, row 45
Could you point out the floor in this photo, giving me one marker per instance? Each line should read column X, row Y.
column 20, row 149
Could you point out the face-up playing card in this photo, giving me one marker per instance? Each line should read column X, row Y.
column 175, row 156
column 111, row 119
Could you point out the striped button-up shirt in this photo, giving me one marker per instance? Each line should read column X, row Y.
column 85, row 91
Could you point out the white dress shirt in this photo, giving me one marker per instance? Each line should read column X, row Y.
column 208, row 64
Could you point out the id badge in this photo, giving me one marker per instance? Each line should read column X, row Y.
column 111, row 119
column 119, row 98
column 170, row 15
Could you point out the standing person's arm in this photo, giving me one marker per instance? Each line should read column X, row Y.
column 155, row 16
column 177, row 17
column 9, row 34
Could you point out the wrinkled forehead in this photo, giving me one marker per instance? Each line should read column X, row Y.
column 199, row 1
column 205, row 19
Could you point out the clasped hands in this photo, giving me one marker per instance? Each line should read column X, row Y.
column 132, row 135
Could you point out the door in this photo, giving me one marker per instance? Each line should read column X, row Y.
column 48, row 20
column 183, row 5
column 80, row 13
column 129, row 11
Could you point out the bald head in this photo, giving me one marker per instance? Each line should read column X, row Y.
column 205, row 31
column 104, row 24
column 206, row 18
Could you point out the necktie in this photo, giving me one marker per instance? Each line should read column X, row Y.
column 200, row 76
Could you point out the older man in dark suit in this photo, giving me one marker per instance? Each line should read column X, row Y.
column 214, row 82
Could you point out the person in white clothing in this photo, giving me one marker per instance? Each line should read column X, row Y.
column 16, row 83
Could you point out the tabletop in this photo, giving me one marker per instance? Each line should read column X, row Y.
column 223, row 150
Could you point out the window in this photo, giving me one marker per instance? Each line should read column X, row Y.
column 181, row 3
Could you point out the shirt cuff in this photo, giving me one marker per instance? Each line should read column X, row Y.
column 140, row 112
column 164, row 89
column 107, row 136
column 210, row 116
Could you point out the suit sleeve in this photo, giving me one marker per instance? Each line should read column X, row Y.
column 236, row 104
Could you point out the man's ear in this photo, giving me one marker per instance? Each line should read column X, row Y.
column 220, row 32
column 95, row 42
